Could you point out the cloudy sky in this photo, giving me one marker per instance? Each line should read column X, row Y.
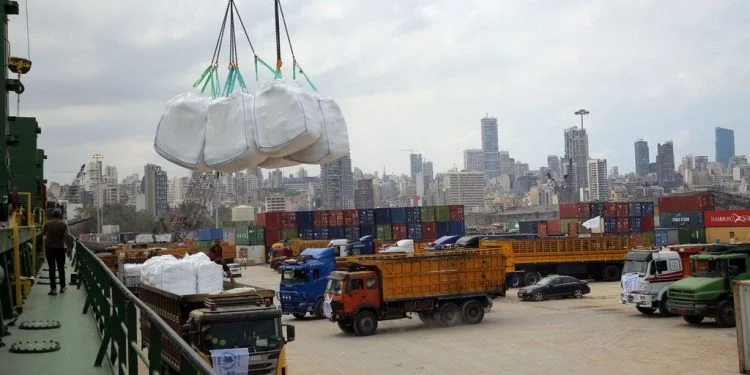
column 408, row 74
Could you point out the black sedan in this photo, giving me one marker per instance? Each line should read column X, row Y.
column 554, row 286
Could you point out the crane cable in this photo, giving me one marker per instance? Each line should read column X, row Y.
column 295, row 63
column 28, row 55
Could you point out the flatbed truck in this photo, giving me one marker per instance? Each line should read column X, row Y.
column 242, row 316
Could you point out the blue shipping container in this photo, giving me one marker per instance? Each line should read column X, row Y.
column 204, row 234
column 217, row 234
column 304, row 219
column 320, row 234
column 647, row 208
column 415, row 231
column 366, row 216
column 610, row 225
column 636, row 209
column 597, row 209
column 335, row 233
column 456, row 228
column 688, row 219
column 636, row 223
column 414, row 215
column 442, row 229
column 398, row 215
column 382, row 216
column 366, row 230
column 307, row 234
column 528, row 227
column 351, row 233
column 666, row 236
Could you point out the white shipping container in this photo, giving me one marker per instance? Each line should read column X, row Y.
column 110, row 228
column 253, row 254
column 243, row 213
column 742, row 317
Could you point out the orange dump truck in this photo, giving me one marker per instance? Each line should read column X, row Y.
column 448, row 287
column 600, row 258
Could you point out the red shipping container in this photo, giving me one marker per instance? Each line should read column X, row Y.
column 572, row 229
column 610, row 210
column 681, row 203
column 541, row 230
column 727, row 218
column 553, row 226
column 273, row 220
column 399, row 232
column 335, row 218
column 429, row 231
column 623, row 209
column 568, row 211
column 260, row 220
column 583, row 211
column 272, row 236
column 320, row 219
column 457, row 213
column 623, row 225
column 289, row 220
column 647, row 223
column 351, row 218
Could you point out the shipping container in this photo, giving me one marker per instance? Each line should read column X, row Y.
column 691, row 235
column 429, row 231
column 636, row 223
column 256, row 235
column 727, row 235
column 610, row 209
column 623, row 209
column 413, row 215
column 320, row 219
column 623, row 224
column 443, row 229
column 442, row 213
column 304, row 219
column 367, row 230
column 635, row 208
column 229, row 236
column 542, row 229
column 399, row 231
column 553, row 227
column 241, row 236
column 568, row 210
column 666, row 236
column 204, row 234
column 597, row 209
column 687, row 219
column 217, row 234
column 643, row 238
column 398, row 215
column 272, row 236
column 456, row 212
column 510, row 224
column 366, row 217
column 456, row 228
column 273, row 220
column 351, row 233
column 289, row 220
column 382, row 216
column 647, row 209
column 572, row 229
column 260, row 219
column 610, row 225
column 307, row 234
column 414, row 232
column 384, row 232
column 583, row 210
column 427, row 214
column 647, row 223
column 727, row 218
column 682, row 203
column 289, row 233
column 321, row 234
column 351, row 218
column 336, row 233
column 565, row 224
column 335, row 218
column 528, row 227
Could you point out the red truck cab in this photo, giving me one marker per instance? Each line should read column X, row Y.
column 348, row 294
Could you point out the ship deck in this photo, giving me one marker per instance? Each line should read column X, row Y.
column 78, row 336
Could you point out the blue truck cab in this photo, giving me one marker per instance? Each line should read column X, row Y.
column 442, row 243
column 303, row 281
column 365, row 246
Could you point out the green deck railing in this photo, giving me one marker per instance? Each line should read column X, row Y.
column 116, row 309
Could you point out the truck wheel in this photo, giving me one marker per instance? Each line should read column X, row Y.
column 645, row 310
column 472, row 312
column 346, row 326
column 513, row 280
column 725, row 314
column 531, row 278
column 612, row 273
column 299, row 315
column 427, row 317
column 693, row 319
column 664, row 307
column 318, row 309
column 450, row 314
column 365, row 323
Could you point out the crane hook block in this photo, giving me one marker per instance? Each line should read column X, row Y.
column 19, row 65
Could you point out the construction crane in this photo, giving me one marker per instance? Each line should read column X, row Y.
column 195, row 208
column 72, row 192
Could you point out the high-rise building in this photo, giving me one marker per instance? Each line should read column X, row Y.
column 337, row 182
column 466, row 188
column 553, row 163
column 577, row 154
column 490, row 147
column 429, row 174
column 474, row 160
column 155, row 188
column 642, row 158
column 665, row 168
column 597, row 179
column 724, row 145
column 364, row 196
column 415, row 162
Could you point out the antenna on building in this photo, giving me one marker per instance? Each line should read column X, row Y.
column 581, row 112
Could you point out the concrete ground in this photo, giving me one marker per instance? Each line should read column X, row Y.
column 593, row 335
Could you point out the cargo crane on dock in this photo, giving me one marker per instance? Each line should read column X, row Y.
column 199, row 203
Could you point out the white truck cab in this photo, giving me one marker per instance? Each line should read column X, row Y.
column 646, row 275
column 402, row 246
column 339, row 246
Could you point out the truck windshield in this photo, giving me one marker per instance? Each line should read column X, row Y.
column 708, row 268
column 294, row 276
column 256, row 335
column 633, row 266
column 334, row 286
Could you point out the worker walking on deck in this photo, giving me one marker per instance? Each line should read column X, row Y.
column 57, row 234
column 214, row 253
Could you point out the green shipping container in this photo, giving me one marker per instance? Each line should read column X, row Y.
column 427, row 214
column 384, row 232
column 510, row 225
column 205, row 245
column 256, row 236
column 564, row 225
column 442, row 214
column 648, row 238
column 289, row 233
column 693, row 235
column 241, row 236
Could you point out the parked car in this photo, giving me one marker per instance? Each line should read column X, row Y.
column 554, row 286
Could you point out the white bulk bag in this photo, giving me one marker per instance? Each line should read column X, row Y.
column 273, row 163
column 210, row 277
column 286, row 117
column 333, row 143
column 181, row 131
column 230, row 134
column 178, row 277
